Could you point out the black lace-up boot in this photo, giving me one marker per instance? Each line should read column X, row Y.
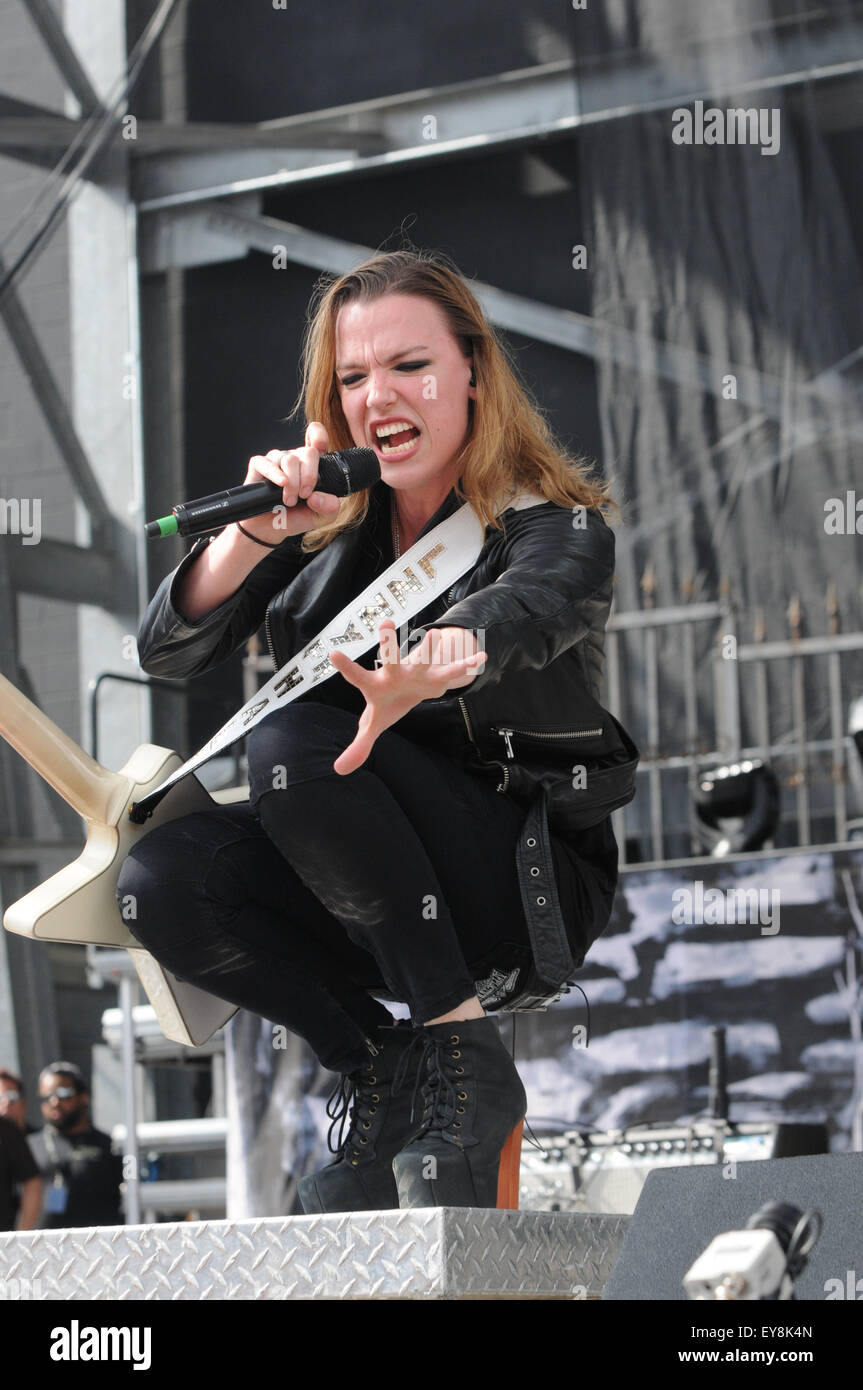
column 379, row 1102
column 467, row 1150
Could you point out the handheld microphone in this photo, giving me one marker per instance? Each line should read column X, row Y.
column 339, row 473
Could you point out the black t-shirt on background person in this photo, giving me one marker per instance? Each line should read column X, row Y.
column 17, row 1165
column 82, row 1178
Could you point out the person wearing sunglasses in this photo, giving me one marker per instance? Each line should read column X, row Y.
column 81, row 1175
column 13, row 1100
column 13, row 1199
column 20, row 1184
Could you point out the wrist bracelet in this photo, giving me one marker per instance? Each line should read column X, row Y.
column 269, row 545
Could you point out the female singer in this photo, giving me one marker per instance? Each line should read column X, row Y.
column 414, row 830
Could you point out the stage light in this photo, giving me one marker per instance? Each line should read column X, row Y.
column 736, row 807
column 855, row 769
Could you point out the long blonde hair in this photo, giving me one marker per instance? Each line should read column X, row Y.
column 509, row 445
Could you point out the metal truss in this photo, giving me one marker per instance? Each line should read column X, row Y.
column 78, row 574
column 221, row 230
column 189, row 166
column 523, row 107
column 179, row 164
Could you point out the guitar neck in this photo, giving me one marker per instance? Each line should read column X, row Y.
column 93, row 791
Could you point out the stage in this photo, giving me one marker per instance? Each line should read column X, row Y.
column 448, row 1253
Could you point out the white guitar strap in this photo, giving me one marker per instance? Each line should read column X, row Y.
column 427, row 569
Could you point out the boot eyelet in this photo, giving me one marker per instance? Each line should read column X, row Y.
column 354, row 1163
column 366, row 1124
column 456, row 1054
column 454, row 1039
column 363, row 1141
column 373, row 1109
column 457, row 1124
column 459, row 1110
column 462, row 1095
column 376, row 1099
column 459, row 1071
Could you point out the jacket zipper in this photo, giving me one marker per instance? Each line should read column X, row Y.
column 507, row 733
column 502, row 787
column 272, row 649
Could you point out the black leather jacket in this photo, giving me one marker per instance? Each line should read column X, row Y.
column 531, row 722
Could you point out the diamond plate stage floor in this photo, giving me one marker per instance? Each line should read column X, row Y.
column 438, row 1252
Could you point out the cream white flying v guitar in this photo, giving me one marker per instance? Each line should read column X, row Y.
column 78, row 904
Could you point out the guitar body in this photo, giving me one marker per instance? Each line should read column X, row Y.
column 78, row 903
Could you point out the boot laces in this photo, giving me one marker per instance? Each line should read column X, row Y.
column 350, row 1105
column 354, row 1094
column 435, row 1085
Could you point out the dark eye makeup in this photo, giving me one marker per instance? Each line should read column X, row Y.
column 402, row 367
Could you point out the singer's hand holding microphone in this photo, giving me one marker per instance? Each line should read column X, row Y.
column 287, row 491
column 296, row 471
column 271, row 506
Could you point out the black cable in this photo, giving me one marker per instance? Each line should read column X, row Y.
column 586, row 1004
column 808, row 1228
column 564, row 1127
column 104, row 119
column 54, row 175
column 532, row 1139
column 796, row 1232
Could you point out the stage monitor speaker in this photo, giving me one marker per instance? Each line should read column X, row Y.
column 681, row 1210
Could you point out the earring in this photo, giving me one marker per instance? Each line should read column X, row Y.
column 472, row 381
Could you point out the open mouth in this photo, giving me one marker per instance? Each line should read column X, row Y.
column 396, row 438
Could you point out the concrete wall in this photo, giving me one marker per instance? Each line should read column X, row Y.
column 30, row 465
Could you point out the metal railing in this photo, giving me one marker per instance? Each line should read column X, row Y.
column 683, row 723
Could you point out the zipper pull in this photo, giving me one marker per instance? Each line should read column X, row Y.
column 505, row 734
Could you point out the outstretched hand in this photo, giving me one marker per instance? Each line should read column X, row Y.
column 446, row 658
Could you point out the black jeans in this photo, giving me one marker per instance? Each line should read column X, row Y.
column 399, row 877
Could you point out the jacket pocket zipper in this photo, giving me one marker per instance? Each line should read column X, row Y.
column 506, row 735
column 504, row 785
